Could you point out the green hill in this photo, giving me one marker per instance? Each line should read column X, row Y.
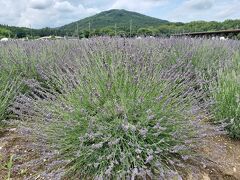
column 121, row 18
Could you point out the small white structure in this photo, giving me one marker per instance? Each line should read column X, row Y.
column 59, row 37
column 4, row 40
column 24, row 39
column 45, row 38
column 138, row 37
column 50, row 38
column 222, row 38
column 71, row 38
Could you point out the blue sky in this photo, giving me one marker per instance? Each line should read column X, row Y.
column 54, row 13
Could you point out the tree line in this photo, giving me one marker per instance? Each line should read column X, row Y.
column 113, row 30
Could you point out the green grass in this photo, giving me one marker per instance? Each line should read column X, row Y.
column 8, row 166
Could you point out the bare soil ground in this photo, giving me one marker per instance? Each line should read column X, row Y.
column 225, row 153
column 30, row 161
column 34, row 162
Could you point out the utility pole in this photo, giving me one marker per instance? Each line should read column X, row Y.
column 115, row 29
column 77, row 31
column 130, row 27
column 30, row 30
column 89, row 26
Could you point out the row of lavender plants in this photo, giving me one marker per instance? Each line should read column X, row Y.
column 121, row 108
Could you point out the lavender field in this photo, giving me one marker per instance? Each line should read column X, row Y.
column 117, row 108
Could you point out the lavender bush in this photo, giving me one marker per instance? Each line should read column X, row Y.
column 120, row 108
column 8, row 90
column 20, row 61
column 227, row 97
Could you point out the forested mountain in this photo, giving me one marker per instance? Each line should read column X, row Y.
column 119, row 19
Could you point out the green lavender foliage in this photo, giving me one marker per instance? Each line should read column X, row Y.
column 227, row 97
column 8, row 90
column 119, row 108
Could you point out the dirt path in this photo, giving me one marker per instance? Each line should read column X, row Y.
column 30, row 161
column 225, row 152
column 34, row 162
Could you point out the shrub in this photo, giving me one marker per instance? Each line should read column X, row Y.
column 117, row 107
column 125, row 116
column 8, row 90
column 20, row 61
column 227, row 97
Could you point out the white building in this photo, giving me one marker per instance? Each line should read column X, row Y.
column 222, row 38
column 4, row 40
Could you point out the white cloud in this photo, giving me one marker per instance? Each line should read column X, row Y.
column 42, row 13
column 227, row 10
column 54, row 13
column 64, row 6
column 209, row 10
column 11, row 11
column 199, row 4
column 137, row 5
column 40, row 4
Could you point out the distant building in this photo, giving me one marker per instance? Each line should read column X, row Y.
column 222, row 38
column 24, row 39
column 4, row 40
column 58, row 37
column 45, row 38
column 71, row 38
column 50, row 38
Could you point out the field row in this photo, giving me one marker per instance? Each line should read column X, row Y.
column 121, row 108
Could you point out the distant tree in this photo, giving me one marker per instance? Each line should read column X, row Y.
column 165, row 29
column 21, row 34
column 96, row 32
column 5, row 32
column 145, row 32
column 86, row 33
column 238, row 36
column 121, row 33
column 107, row 31
column 231, row 35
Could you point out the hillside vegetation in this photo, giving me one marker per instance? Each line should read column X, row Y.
column 118, row 22
column 109, row 18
